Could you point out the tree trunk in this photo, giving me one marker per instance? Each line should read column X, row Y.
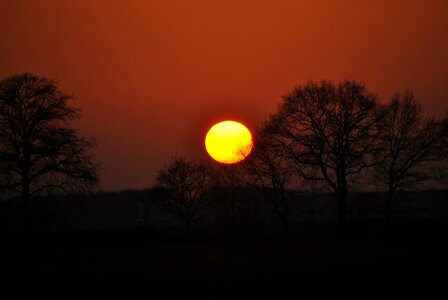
column 342, row 218
column 26, row 182
column 341, row 194
column 25, row 206
column 387, row 207
column 284, row 214
column 187, row 226
column 388, row 210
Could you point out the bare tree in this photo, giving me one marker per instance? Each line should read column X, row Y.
column 186, row 183
column 271, row 174
column 444, row 135
column 443, row 150
column 409, row 142
column 39, row 152
column 329, row 133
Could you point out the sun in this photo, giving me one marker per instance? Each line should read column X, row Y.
column 228, row 142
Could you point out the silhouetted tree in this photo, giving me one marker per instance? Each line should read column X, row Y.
column 39, row 152
column 271, row 174
column 328, row 132
column 444, row 133
column 442, row 151
column 186, row 183
column 409, row 141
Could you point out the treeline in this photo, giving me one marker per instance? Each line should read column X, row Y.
column 240, row 213
column 327, row 137
column 324, row 138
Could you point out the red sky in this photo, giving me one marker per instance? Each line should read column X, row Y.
column 151, row 76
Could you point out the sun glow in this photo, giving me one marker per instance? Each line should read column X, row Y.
column 228, row 142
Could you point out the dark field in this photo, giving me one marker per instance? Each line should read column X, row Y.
column 411, row 262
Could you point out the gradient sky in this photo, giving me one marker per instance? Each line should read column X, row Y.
column 152, row 76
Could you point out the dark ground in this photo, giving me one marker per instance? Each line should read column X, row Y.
column 132, row 264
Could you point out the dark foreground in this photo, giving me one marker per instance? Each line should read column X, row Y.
column 131, row 265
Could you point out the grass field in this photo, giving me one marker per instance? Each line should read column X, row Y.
column 134, row 265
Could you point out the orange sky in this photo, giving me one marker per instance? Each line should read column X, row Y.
column 151, row 76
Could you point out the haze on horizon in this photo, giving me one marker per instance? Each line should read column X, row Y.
column 152, row 76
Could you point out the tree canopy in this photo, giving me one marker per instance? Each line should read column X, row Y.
column 39, row 151
column 329, row 133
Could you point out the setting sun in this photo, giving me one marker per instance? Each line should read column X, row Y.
column 228, row 142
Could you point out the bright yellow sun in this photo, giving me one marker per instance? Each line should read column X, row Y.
column 228, row 142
